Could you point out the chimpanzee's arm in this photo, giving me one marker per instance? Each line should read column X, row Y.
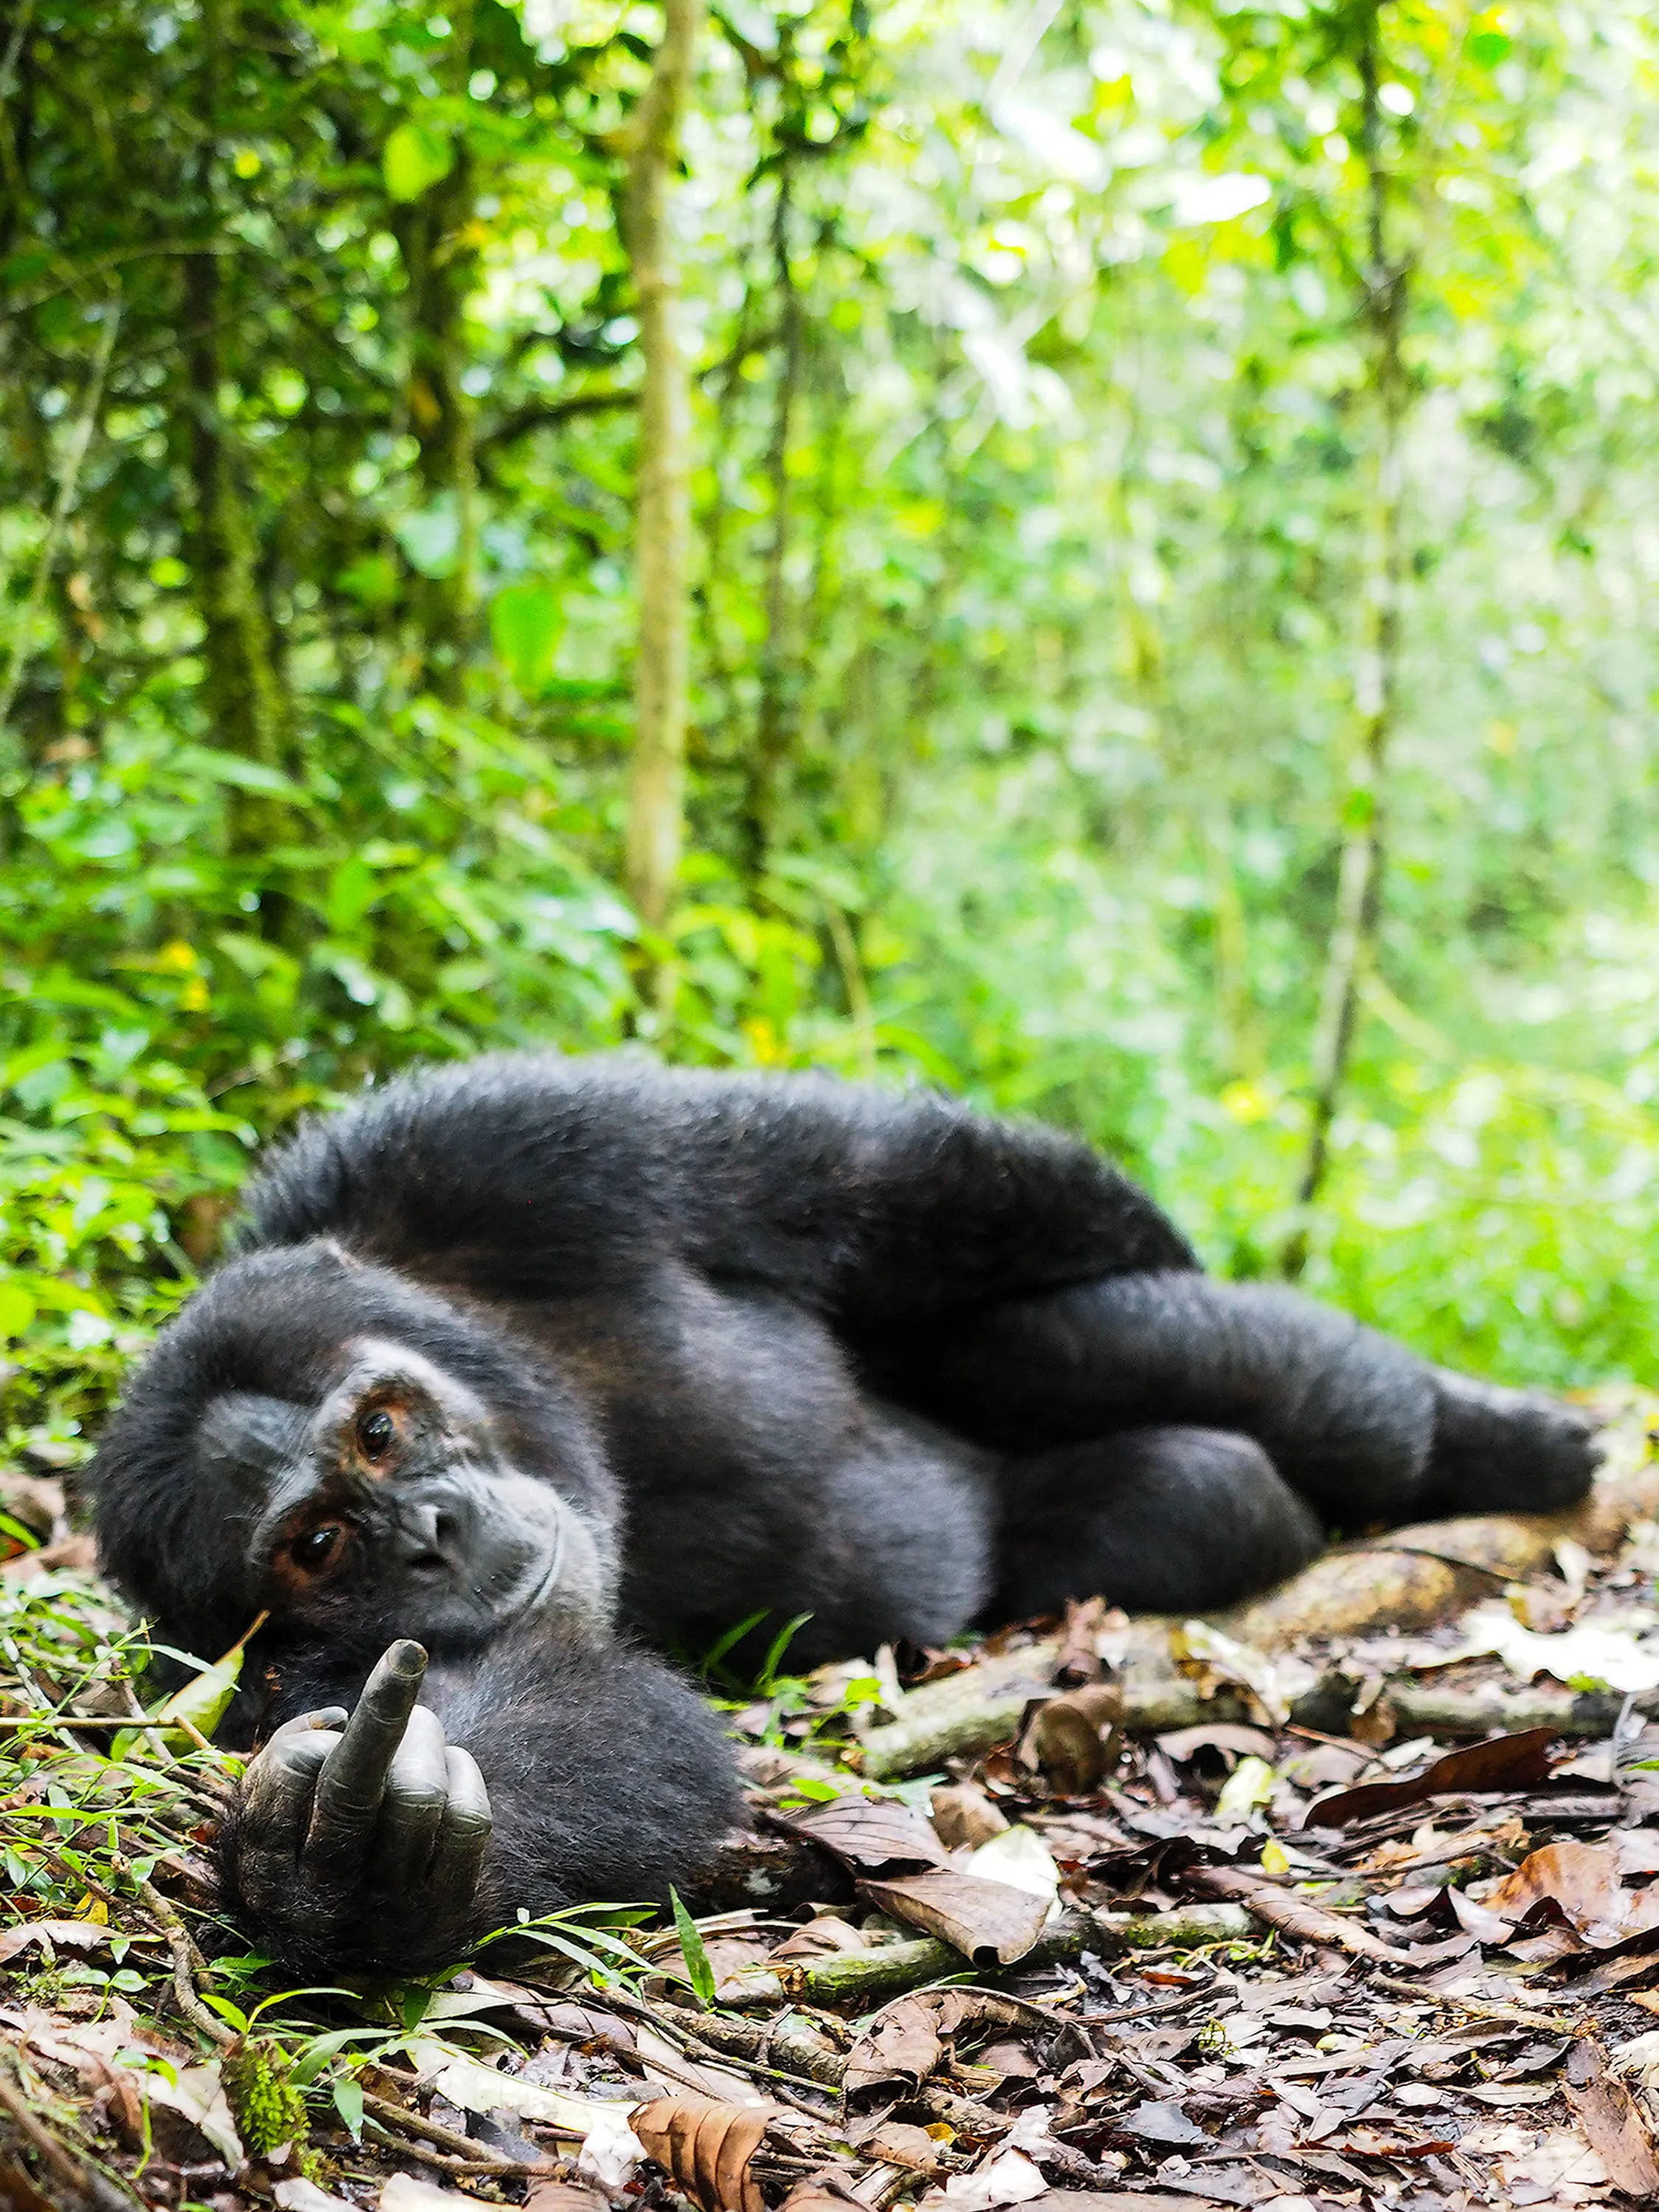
column 377, row 1845
column 532, row 1176
column 1358, row 1423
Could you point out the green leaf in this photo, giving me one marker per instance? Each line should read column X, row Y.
column 351, row 892
column 697, row 1958
column 416, row 158
column 193, row 1712
column 431, row 536
column 349, row 2103
column 526, row 621
column 16, row 1310
column 372, row 581
column 213, row 766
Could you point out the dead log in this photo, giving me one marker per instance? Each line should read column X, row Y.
column 1414, row 1577
column 858, row 1978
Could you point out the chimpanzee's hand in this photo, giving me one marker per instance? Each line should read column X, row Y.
column 359, row 1842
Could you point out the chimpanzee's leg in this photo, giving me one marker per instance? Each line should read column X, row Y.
column 1157, row 1520
column 1357, row 1424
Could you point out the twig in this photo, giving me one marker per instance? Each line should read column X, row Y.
column 678, row 2022
column 469, row 2157
column 1132, row 2013
column 104, row 262
column 1292, row 1916
column 187, row 1961
column 1552, row 2023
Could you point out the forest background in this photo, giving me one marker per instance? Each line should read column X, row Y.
column 1161, row 636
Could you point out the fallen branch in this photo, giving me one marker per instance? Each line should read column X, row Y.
column 1291, row 1914
column 466, row 2155
column 1426, row 1709
column 187, row 1961
column 857, row 1978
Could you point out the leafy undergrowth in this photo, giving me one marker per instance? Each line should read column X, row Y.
column 1246, row 1959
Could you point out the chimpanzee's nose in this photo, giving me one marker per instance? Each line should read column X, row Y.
column 431, row 1538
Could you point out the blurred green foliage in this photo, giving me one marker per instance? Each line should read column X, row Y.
column 1031, row 456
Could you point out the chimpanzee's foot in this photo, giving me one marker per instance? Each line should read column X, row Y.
column 1506, row 1451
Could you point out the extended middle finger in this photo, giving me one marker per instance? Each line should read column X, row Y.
column 352, row 1784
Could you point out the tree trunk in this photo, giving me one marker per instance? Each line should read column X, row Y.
column 247, row 712
column 773, row 723
column 656, row 802
column 439, row 268
column 247, row 709
column 1359, row 884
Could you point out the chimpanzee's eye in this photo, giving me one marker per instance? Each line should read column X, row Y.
column 317, row 1547
column 376, row 1434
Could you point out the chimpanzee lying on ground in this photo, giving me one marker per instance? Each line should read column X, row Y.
column 528, row 1357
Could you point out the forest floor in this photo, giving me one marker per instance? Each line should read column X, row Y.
column 1092, row 1913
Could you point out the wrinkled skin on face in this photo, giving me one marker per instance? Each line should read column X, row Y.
column 394, row 1499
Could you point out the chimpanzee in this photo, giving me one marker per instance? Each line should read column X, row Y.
column 543, row 1361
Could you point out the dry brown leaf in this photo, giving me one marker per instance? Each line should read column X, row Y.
column 1612, row 2122
column 991, row 1922
column 1484, row 1924
column 1582, row 1881
column 1561, row 2163
column 706, row 2147
column 408, row 2192
column 1122, row 2200
column 897, row 2144
column 904, row 2043
column 56, row 1935
column 871, row 1833
column 1010, row 2062
column 966, row 1815
column 827, row 1932
column 810, row 2196
column 563, row 2197
column 1229, row 1735
column 1067, row 1739
column 1503, row 1762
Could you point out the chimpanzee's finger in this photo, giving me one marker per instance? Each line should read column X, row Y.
column 352, row 1784
column 413, row 1806
column 276, row 1791
column 463, row 1836
column 275, row 1812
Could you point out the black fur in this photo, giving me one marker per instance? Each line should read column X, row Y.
column 787, row 1344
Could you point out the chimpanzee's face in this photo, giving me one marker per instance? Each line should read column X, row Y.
column 391, row 1500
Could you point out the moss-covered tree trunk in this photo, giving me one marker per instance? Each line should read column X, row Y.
column 247, row 707
column 656, row 804
column 441, row 267
column 768, row 760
